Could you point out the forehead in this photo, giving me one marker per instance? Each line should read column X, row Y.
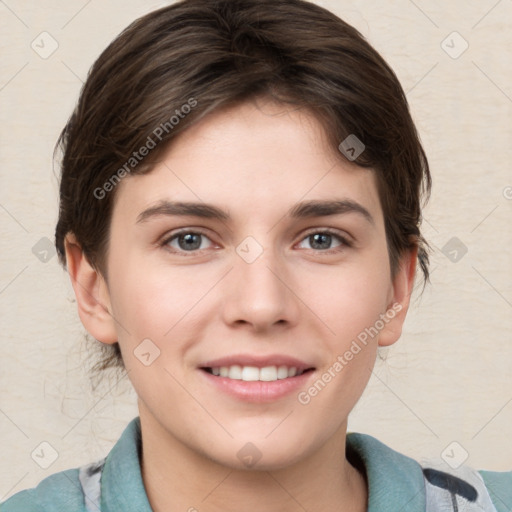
column 254, row 158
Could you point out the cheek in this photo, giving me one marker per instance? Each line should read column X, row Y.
column 351, row 311
column 160, row 303
column 351, row 298
column 145, row 301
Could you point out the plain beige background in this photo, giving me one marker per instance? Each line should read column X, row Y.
column 448, row 380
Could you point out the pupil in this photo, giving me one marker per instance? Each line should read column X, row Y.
column 191, row 241
column 319, row 239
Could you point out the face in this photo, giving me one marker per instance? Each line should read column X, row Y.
column 251, row 250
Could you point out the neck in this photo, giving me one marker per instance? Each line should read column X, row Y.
column 177, row 478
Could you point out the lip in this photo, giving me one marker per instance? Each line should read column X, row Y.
column 258, row 361
column 258, row 391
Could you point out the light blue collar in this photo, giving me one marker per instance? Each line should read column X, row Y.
column 395, row 481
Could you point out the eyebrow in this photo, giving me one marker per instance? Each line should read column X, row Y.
column 303, row 210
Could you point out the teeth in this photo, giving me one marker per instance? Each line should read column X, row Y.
column 250, row 373
column 235, row 372
column 269, row 373
column 282, row 372
column 253, row 373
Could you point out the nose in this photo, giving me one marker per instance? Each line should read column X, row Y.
column 260, row 295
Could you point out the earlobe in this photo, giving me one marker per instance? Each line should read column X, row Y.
column 91, row 293
column 399, row 304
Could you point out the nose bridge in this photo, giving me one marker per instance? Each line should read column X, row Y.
column 258, row 277
column 259, row 295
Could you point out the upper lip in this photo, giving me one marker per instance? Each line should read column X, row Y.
column 258, row 361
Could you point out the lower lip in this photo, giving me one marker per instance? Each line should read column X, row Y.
column 258, row 391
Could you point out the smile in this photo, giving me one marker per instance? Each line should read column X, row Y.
column 253, row 373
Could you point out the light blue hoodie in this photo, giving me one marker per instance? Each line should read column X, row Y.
column 395, row 483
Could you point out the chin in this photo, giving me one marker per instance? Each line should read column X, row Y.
column 260, row 454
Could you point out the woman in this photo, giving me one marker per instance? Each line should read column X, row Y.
column 240, row 212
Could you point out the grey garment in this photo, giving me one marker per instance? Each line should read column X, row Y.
column 460, row 490
column 89, row 477
column 455, row 490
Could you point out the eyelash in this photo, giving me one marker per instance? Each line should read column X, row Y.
column 345, row 243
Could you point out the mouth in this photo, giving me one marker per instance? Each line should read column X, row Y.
column 269, row 373
column 257, row 378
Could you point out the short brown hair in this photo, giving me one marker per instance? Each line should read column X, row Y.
column 217, row 53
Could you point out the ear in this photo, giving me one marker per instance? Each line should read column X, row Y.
column 91, row 293
column 399, row 300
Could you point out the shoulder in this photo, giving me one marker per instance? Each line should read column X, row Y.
column 429, row 484
column 56, row 493
column 395, row 481
column 113, row 481
column 499, row 486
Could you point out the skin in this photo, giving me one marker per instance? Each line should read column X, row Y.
column 255, row 161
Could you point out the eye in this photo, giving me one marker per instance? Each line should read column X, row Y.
column 323, row 241
column 187, row 241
